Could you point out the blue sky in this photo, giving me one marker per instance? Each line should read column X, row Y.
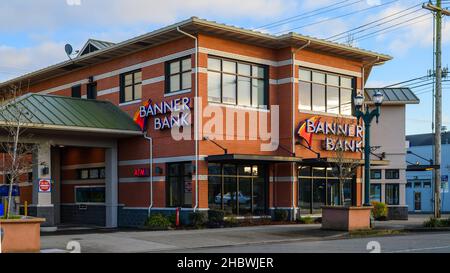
column 33, row 33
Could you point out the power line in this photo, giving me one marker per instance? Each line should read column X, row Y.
column 307, row 14
column 372, row 22
column 340, row 16
column 393, row 29
column 414, row 79
column 392, row 26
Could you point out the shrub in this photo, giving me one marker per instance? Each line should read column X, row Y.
column 158, row 222
column 280, row 215
column 434, row 222
column 199, row 219
column 306, row 220
column 379, row 211
column 216, row 218
column 231, row 221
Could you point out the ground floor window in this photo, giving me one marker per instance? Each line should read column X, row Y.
column 392, row 194
column 179, row 185
column 90, row 194
column 319, row 187
column 375, row 192
column 237, row 189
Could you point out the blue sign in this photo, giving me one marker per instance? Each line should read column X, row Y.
column 1, row 210
column 4, row 190
column 444, row 178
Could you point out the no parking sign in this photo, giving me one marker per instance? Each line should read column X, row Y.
column 45, row 185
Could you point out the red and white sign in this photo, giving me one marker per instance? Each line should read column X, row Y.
column 45, row 185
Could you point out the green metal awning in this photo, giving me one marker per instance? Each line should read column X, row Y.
column 69, row 114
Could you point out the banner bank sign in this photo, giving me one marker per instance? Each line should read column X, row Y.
column 339, row 136
column 179, row 110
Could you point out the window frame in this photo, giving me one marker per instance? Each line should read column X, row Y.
column 84, row 187
column 74, row 89
column 99, row 171
column 378, row 171
column 388, row 177
column 168, row 74
column 180, row 185
column 91, row 90
column 340, row 87
column 265, row 79
column 133, row 85
column 397, row 198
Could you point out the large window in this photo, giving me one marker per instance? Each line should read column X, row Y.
column 318, row 186
column 179, row 185
column 392, row 194
column 324, row 92
column 76, row 91
column 89, row 194
column 131, row 86
column 178, row 75
column 91, row 173
column 375, row 192
column 237, row 189
column 237, row 83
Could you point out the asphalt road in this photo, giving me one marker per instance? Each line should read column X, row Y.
column 438, row 242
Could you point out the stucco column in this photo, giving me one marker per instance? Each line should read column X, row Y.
column 42, row 201
column 111, row 189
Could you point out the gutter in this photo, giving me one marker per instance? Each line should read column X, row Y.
column 150, row 141
column 195, row 113
column 294, row 111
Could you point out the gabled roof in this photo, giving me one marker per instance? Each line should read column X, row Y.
column 400, row 95
column 93, row 45
column 196, row 25
column 70, row 114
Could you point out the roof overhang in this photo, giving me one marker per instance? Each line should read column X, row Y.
column 252, row 158
column 333, row 160
column 194, row 26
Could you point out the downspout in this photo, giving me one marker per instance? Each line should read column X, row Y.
column 294, row 111
column 150, row 142
column 195, row 113
column 363, row 76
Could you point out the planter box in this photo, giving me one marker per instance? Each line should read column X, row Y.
column 21, row 235
column 345, row 218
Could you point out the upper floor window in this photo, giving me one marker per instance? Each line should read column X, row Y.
column 324, row 92
column 392, row 174
column 375, row 174
column 76, row 91
column 237, row 83
column 131, row 86
column 178, row 75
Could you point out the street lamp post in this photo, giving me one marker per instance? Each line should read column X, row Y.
column 367, row 116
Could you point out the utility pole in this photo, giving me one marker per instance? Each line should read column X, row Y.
column 439, row 12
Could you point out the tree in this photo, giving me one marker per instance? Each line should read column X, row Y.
column 342, row 166
column 13, row 119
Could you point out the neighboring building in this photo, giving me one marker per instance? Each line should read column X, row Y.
column 98, row 159
column 420, row 182
column 388, row 142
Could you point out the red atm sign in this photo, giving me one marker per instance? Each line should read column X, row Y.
column 141, row 172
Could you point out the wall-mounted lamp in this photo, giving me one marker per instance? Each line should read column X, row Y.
column 158, row 170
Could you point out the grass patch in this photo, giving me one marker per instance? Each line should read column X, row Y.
column 374, row 232
column 11, row 217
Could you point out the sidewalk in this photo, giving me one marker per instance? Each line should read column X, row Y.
column 124, row 241
column 155, row 241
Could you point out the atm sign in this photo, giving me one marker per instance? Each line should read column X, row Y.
column 141, row 172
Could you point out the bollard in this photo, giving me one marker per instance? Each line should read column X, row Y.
column 177, row 217
column 25, row 209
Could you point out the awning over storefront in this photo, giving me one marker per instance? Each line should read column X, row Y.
column 252, row 158
column 331, row 160
column 50, row 112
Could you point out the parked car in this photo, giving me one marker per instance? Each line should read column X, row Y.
column 228, row 197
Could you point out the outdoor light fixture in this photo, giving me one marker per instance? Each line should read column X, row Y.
column 158, row 170
column 378, row 98
column 367, row 116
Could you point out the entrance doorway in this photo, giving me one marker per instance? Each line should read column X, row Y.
column 417, row 201
column 318, row 186
column 238, row 189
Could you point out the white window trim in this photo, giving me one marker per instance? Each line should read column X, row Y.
column 301, row 111
column 179, row 92
column 130, row 102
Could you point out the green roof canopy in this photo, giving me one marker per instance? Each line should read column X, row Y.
column 73, row 114
column 400, row 95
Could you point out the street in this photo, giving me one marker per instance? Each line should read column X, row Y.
column 413, row 243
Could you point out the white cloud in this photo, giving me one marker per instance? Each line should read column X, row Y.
column 18, row 61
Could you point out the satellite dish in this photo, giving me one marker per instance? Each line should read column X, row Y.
column 68, row 48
